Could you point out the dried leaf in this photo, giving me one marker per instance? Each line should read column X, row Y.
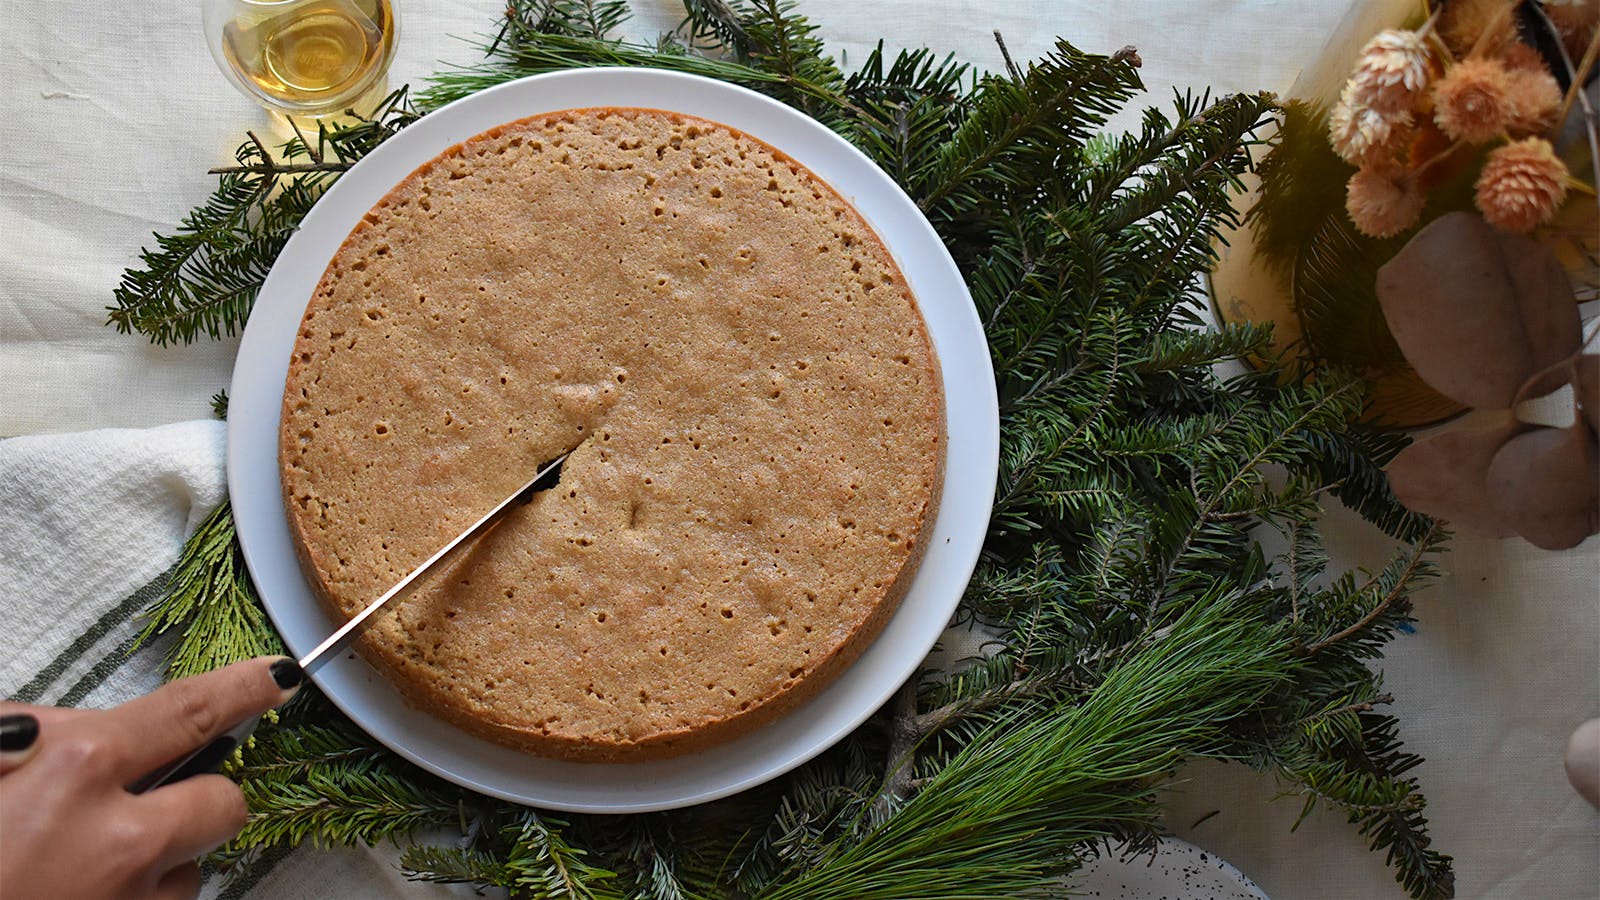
column 1544, row 484
column 1545, row 381
column 1478, row 312
column 1586, row 381
column 1444, row 476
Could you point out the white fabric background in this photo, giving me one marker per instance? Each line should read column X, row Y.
column 110, row 114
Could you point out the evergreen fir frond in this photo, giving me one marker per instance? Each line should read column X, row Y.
column 211, row 602
column 717, row 25
column 1176, row 350
column 344, row 803
column 1016, row 133
column 527, row 20
column 435, row 864
column 177, row 294
column 219, row 405
column 910, row 107
column 541, row 863
column 556, row 52
column 203, row 278
column 1354, row 460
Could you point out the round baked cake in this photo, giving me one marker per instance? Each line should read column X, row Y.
column 739, row 370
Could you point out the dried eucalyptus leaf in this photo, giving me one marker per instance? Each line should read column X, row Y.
column 1444, row 476
column 1545, row 381
column 1544, row 484
column 1545, row 296
column 1586, row 381
column 1477, row 312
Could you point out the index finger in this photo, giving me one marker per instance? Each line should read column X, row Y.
column 15, row 728
column 191, row 712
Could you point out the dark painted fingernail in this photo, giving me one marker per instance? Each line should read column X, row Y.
column 18, row 732
column 287, row 674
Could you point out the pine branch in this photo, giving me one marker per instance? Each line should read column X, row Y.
column 453, row 865
column 541, row 863
column 211, row 600
column 1000, row 818
column 1059, row 101
column 203, row 278
column 342, row 803
column 1171, row 351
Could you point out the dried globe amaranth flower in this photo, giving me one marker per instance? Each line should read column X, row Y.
column 1485, row 24
column 1383, row 200
column 1535, row 100
column 1472, row 102
column 1364, row 136
column 1372, row 120
column 1489, row 320
column 1392, row 72
column 1522, row 185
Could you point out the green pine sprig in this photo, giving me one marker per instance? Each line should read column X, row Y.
column 202, row 279
column 210, row 602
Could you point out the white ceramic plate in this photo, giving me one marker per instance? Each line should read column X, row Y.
column 971, row 461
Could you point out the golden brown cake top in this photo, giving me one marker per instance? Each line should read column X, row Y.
column 741, row 368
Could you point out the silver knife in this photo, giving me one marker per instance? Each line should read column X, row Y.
column 210, row 757
column 336, row 641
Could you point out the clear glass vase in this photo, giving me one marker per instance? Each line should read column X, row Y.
column 310, row 58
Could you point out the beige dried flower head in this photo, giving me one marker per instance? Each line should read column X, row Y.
column 1472, row 102
column 1486, row 24
column 1521, row 56
column 1391, row 73
column 1362, row 135
column 1522, row 185
column 1383, row 200
column 1535, row 100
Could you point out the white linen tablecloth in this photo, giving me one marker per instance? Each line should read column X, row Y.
column 111, row 113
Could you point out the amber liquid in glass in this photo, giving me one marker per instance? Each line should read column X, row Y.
column 312, row 57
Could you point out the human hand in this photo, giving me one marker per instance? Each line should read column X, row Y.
column 69, row 826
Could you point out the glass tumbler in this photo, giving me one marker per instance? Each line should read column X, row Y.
column 310, row 58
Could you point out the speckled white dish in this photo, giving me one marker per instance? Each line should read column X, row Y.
column 971, row 462
column 1178, row 871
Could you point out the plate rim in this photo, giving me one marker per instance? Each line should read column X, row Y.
column 260, row 349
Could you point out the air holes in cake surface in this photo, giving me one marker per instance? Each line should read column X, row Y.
column 378, row 427
column 727, row 613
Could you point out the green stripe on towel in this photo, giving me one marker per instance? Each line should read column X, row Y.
column 133, row 604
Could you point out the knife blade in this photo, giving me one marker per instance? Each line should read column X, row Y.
column 210, row 757
column 346, row 632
